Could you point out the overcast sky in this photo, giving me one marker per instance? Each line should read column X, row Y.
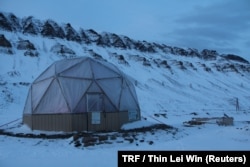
column 223, row 25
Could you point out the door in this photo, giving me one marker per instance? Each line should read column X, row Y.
column 94, row 102
column 95, row 106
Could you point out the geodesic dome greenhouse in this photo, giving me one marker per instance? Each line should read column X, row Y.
column 81, row 94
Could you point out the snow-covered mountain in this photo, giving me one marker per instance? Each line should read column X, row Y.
column 173, row 84
column 168, row 79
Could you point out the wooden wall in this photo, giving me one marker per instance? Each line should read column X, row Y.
column 109, row 121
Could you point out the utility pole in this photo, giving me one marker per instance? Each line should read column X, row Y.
column 237, row 104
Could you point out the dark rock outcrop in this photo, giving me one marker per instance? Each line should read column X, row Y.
column 103, row 40
column 84, row 37
column 4, row 42
column 180, row 51
column 31, row 53
column 144, row 46
column 130, row 44
column 15, row 22
column 193, row 53
column 71, row 34
column 62, row 50
column 117, row 42
column 92, row 35
column 4, row 23
column 235, row 58
column 25, row 45
column 30, row 26
column 209, row 54
column 52, row 29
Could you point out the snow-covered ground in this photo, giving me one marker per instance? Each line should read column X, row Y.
column 53, row 152
column 165, row 96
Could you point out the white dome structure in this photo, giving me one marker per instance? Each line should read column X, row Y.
column 81, row 94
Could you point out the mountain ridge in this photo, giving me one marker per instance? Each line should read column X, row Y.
column 167, row 79
column 51, row 29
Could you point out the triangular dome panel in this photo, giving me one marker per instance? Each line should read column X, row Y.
column 94, row 88
column 38, row 90
column 28, row 107
column 102, row 72
column 81, row 106
column 128, row 84
column 53, row 101
column 108, row 106
column 73, row 90
column 48, row 73
column 62, row 65
column 127, row 101
column 112, row 88
column 81, row 70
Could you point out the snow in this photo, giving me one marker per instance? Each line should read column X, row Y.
column 137, row 124
column 59, row 152
column 164, row 97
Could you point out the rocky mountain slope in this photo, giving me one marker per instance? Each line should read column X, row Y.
column 167, row 78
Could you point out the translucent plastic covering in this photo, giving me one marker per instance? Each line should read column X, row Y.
column 102, row 72
column 82, row 70
column 81, row 106
column 95, row 102
column 108, row 105
column 27, row 107
column 38, row 90
column 48, row 73
column 52, row 101
column 63, row 65
column 94, row 88
column 128, row 102
column 112, row 88
column 81, row 85
column 73, row 89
